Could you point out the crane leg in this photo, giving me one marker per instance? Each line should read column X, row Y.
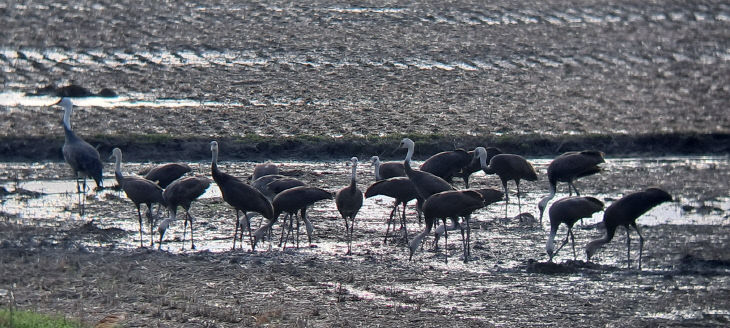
column 296, row 215
column 235, row 232
column 628, row 247
column 151, row 222
column 284, row 229
column 506, row 198
column 387, row 226
column 572, row 241
column 139, row 215
column 185, row 230
column 565, row 241
column 192, row 239
column 403, row 223
column 288, row 231
column 248, row 226
column 641, row 244
column 446, row 242
column 519, row 203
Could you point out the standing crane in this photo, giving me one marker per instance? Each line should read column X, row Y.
column 183, row 192
column 624, row 212
column 349, row 202
column 140, row 191
column 80, row 155
column 568, row 167
column 507, row 167
column 569, row 210
column 241, row 196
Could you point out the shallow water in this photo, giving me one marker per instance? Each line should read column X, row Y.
column 40, row 197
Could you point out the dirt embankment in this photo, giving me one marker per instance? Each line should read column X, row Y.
column 256, row 148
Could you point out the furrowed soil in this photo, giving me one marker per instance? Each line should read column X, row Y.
column 317, row 80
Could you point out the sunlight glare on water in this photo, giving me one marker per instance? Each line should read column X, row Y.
column 57, row 201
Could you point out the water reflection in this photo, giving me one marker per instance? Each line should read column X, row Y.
column 38, row 201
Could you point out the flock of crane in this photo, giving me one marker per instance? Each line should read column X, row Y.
column 271, row 194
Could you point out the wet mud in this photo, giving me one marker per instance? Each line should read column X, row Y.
column 91, row 267
column 322, row 81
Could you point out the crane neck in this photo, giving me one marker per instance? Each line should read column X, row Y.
column 118, row 167
column 550, row 245
column 482, row 160
column 353, row 176
column 594, row 245
column 376, row 164
column 409, row 154
column 67, row 109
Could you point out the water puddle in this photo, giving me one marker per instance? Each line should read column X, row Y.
column 40, row 201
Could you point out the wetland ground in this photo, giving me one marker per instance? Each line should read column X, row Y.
column 320, row 81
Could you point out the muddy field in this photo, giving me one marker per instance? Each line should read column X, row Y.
column 318, row 80
column 381, row 68
column 58, row 262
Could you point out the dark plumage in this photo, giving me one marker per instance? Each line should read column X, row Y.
column 262, row 184
column 79, row 154
column 263, row 169
column 490, row 196
column 290, row 201
column 387, row 170
column 349, row 202
column 446, row 164
column 399, row 188
column 569, row 210
column 183, row 192
column 140, row 191
column 568, row 167
column 426, row 183
column 474, row 165
column 278, row 185
column 239, row 195
column 624, row 212
column 507, row 167
column 165, row 174
column 447, row 204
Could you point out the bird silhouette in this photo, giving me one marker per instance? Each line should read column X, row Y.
column 624, row 212
column 426, row 183
column 568, row 167
column 490, row 196
column 474, row 165
column 446, row 164
column 80, row 155
column 183, row 192
column 507, row 167
column 568, row 211
column 349, row 201
column 278, row 185
column 140, row 191
column 239, row 195
column 291, row 201
column 399, row 188
column 262, row 184
column 263, row 169
column 165, row 174
column 443, row 205
column 386, row 170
